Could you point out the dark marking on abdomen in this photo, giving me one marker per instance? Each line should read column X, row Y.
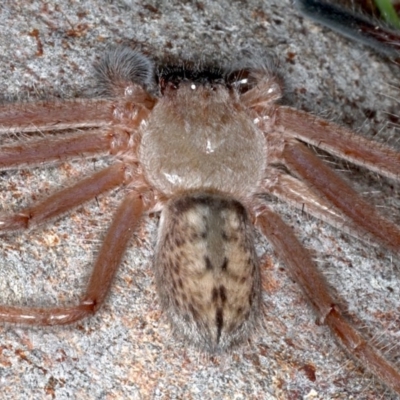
column 219, row 321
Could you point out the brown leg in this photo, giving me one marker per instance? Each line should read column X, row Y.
column 55, row 115
column 304, row 271
column 66, row 199
column 51, row 149
column 113, row 249
column 299, row 195
column 338, row 141
column 109, row 258
column 302, row 162
column 58, row 115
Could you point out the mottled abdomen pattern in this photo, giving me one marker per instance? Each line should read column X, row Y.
column 207, row 270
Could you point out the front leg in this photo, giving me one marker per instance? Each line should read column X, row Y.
column 337, row 141
column 55, row 115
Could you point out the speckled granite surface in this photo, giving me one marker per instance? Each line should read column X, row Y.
column 126, row 350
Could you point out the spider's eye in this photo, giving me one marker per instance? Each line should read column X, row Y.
column 242, row 80
column 170, row 84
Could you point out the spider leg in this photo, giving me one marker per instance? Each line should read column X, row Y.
column 109, row 258
column 57, row 149
column 57, row 115
column 306, row 274
column 66, row 199
column 296, row 193
column 328, row 185
column 338, row 141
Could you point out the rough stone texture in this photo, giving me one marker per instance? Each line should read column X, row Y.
column 126, row 350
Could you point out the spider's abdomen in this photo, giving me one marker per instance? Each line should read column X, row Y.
column 207, row 270
column 200, row 137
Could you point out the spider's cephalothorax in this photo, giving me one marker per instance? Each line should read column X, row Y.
column 202, row 145
column 212, row 144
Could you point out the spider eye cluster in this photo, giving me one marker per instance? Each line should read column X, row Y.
column 240, row 80
column 173, row 77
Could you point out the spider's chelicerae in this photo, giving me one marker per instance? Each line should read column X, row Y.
column 206, row 167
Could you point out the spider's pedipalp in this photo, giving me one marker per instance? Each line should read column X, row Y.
column 122, row 70
column 257, row 81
